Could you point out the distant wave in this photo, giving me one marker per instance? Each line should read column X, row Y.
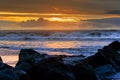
column 78, row 35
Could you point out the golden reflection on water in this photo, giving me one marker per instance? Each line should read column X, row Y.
column 58, row 44
column 10, row 60
column 59, row 53
column 10, row 56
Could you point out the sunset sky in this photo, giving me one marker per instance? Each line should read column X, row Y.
column 59, row 14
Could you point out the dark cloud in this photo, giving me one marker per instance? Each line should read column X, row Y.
column 7, row 23
column 34, row 23
column 44, row 24
column 105, row 23
column 95, row 25
column 113, row 12
column 59, row 6
column 114, row 21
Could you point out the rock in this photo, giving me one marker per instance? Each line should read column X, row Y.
column 26, row 54
column 105, row 62
column 22, row 75
column 104, row 72
column 107, row 55
column 84, row 71
column 7, row 74
column 115, row 45
column 1, row 59
column 35, row 66
column 6, row 71
column 27, row 58
column 11, row 74
column 4, row 66
column 96, row 60
column 51, row 69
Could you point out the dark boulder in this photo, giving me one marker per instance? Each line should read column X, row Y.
column 95, row 66
column 105, row 62
column 22, row 75
column 27, row 58
column 1, row 59
column 115, row 45
column 51, row 69
column 12, row 74
column 108, row 55
column 4, row 66
column 6, row 71
column 104, row 72
column 84, row 71
column 36, row 66
column 8, row 74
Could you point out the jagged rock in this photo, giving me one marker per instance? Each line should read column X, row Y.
column 115, row 45
column 7, row 72
column 4, row 66
column 84, row 71
column 35, row 66
column 104, row 72
column 1, row 59
column 106, row 61
column 107, row 55
column 11, row 74
column 26, row 54
column 51, row 69
column 22, row 75
column 27, row 58
column 92, row 65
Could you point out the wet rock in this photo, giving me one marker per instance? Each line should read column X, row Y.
column 106, row 61
column 51, row 69
column 104, row 72
column 26, row 54
column 35, row 66
column 96, row 60
column 84, row 71
column 108, row 55
column 12, row 74
column 27, row 58
column 7, row 72
column 73, row 60
column 115, row 45
column 4, row 66
column 1, row 59
column 22, row 75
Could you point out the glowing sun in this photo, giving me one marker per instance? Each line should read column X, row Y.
column 58, row 19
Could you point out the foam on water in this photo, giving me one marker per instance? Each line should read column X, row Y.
column 75, row 35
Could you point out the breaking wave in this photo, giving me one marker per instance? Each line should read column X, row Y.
column 73, row 35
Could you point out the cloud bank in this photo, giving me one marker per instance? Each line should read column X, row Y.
column 105, row 23
column 114, row 12
column 42, row 24
column 34, row 23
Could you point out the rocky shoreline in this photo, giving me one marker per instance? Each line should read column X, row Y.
column 36, row 66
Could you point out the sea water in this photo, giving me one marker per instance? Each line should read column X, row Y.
column 82, row 42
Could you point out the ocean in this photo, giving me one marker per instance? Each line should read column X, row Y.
column 80, row 42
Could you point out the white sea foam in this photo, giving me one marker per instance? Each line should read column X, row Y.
column 79, row 35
